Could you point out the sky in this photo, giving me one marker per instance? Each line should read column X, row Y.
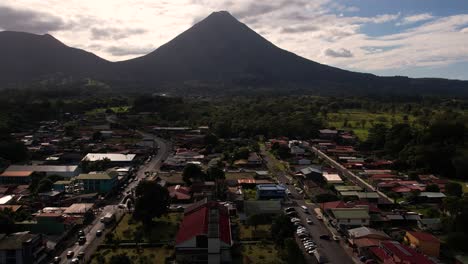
column 416, row 38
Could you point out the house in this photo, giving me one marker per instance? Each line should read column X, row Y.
column 180, row 193
column 304, row 161
column 312, row 173
column 254, row 160
column 431, row 197
column 270, row 191
column 61, row 185
column 396, row 253
column 430, row 224
column 204, row 235
column 328, row 133
column 116, row 159
column 66, row 171
column 16, row 177
column 332, row 178
column 24, row 248
column 423, row 242
column 363, row 238
column 296, row 150
column 350, row 217
column 102, row 182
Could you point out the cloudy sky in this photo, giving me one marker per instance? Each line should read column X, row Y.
column 387, row 37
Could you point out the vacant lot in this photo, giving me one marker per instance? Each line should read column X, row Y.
column 258, row 254
column 143, row 255
column 163, row 229
column 360, row 121
column 239, row 175
column 259, row 232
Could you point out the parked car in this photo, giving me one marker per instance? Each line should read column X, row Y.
column 81, row 233
column 81, row 255
column 304, row 208
column 336, row 238
column 309, row 221
column 75, row 260
column 99, row 233
column 70, row 254
column 81, row 240
column 57, row 260
column 325, row 237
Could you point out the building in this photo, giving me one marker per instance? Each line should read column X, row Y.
column 431, row 197
column 363, row 238
column 328, row 133
column 396, row 253
column 350, row 217
column 116, row 159
column 270, row 191
column 332, row 178
column 102, row 182
column 311, row 173
column 424, row 242
column 179, row 193
column 204, row 235
column 16, row 177
column 66, row 171
column 262, row 207
column 22, row 248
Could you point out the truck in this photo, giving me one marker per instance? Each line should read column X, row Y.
column 108, row 218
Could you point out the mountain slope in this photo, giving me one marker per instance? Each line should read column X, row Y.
column 220, row 48
column 26, row 57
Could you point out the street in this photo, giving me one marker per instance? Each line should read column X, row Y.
column 333, row 250
column 92, row 242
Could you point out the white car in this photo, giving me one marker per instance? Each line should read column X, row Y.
column 309, row 221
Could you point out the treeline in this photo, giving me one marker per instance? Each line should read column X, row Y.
column 435, row 145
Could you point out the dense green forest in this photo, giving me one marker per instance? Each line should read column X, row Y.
column 421, row 134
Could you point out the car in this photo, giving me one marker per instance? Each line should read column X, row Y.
column 81, row 255
column 319, row 217
column 291, row 214
column 295, row 220
column 122, row 206
column 325, row 237
column 302, row 235
column 304, row 208
column 99, row 233
column 336, row 238
column 306, row 240
column 289, row 209
column 81, row 240
column 70, row 254
column 309, row 221
column 310, row 252
column 57, row 260
column 75, row 260
column 81, row 233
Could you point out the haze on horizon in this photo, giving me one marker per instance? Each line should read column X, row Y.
column 391, row 37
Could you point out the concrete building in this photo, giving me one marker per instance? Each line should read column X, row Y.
column 66, row 171
column 350, row 217
column 22, row 248
column 16, row 177
column 204, row 235
column 116, row 159
column 270, row 191
column 102, row 182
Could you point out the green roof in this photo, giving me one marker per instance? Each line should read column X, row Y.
column 344, row 188
column 350, row 213
column 351, row 193
column 62, row 182
column 371, row 195
column 94, row 176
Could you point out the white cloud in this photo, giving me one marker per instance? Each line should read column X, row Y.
column 414, row 19
column 124, row 29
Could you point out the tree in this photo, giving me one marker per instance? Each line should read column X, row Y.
column 44, row 185
column 453, row 189
column 7, row 221
column 281, row 229
column 432, row 188
column 394, row 196
column 255, row 220
column 120, row 259
column 215, row 173
column 192, row 172
column 293, row 254
column 376, row 138
column 152, row 200
column 12, row 150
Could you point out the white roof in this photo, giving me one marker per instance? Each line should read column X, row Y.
column 332, row 177
column 79, row 208
column 5, row 199
column 43, row 168
column 115, row 157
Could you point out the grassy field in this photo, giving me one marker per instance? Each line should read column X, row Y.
column 164, row 229
column 259, row 254
column 247, row 232
column 360, row 121
column 144, row 255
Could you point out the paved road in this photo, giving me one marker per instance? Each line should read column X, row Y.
column 333, row 250
column 353, row 177
column 91, row 240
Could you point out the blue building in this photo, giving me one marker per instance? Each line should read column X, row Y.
column 270, row 191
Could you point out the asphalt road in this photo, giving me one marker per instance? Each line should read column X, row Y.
column 90, row 231
column 333, row 250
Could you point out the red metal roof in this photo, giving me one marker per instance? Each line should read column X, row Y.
column 404, row 253
column 423, row 236
column 196, row 223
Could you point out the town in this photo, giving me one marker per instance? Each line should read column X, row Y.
column 96, row 190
